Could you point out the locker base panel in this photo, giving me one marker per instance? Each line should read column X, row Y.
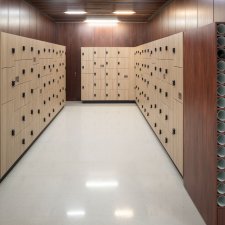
column 116, row 101
column 159, row 140
column 11, row 168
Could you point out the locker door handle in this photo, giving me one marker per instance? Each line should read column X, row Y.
column 174, row 131
column 32, row 70
column 31, row 49
column 44, row 102
column 174, row 50
column 118, row 84
column 107, row 84
column 13, row 50
column 160, row 132
column 44, row 119
column 174, row 82
column 166, row 117
column 32, row 133
column 39, row 111
column 118, row 63
column 160, row 49
column 166, row 140
column 49, row 114
column 23, row 118
column 24, row 48
column 23, row 71
column 82, row 87
column 151, row 106
column 13, row 83
column 32, row 112
column 82, row 53
column 155, row 124
column 118, row 95
column 82, row 67
column 13, row 132
column 160, row 111
column 31, row 91
column 23, row 94
column 39, row 52
column 166, row 94
column 107, row 63
column 166, row 71
column 45, row 50
column 155, row 106
column 39, row 75
column 160, row 90
column 106, row 95
column 23, row 142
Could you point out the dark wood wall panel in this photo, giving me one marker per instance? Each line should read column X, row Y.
column 77, row 35
column 200, row 120
column 181, row 15
column 20, row 18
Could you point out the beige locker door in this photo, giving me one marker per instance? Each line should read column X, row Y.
column 178, row 83
column 111, row 63
column 7, row 136
column 99, row 63
column 122, row 73
column 98, row 95
column 99, row 52
column 123, row 52
column 87, row 53
column 85, row 66
column 8, row 84
column 178, row 136
column 111, row 73
column 111, row 52
column 8, row 50
column 87, row 87
column 99, row 73
column 99, row 84
column 123, row 95
column 123, row 63
column 123, row 84
column 178, row 55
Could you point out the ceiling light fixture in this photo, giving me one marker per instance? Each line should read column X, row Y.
column 76, row 213
column 102, row 184
column 124, row 12
column 124, row 213
column 75, row 12
column 102, row 22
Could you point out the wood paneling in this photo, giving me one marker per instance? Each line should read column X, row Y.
column 20, row 18
column 219, row 9
column 77, row 35
column 181, row 15
column 200, row 120
column 221, row 216
column 56, row 9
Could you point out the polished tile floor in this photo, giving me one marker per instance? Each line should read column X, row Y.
column 96, row 164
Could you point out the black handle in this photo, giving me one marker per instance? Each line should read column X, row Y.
column 23, row 142
column 166, row 117
column 23, row 118
column 13, row 132
column 32, row 49
column 23, row 94
column 24, row 48
column 174, row 50
column 166, row 140
column 13, row 83
column 31, row 91
column 13, row 50
column 31, row 111
column 166, row 94
column 174, row 82
column 174, row 131
column 23, row 71
column 155, row 124
column 32, row 133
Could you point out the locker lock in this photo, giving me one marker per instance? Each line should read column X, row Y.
column 49, row 114
column 160, row 49
column 44, row 102
column 13, row 83
column 166, row 48
column 38, row 52
column 174, row 50
column 82, row 53
column 155, row 124
column 151, row 106
column 13, row 132
column 23, row 71
column 160, row 132
column 13, row 50
column 174, row 131
column 39, row 111
column 174, row 82
column 160, row 90
column 82, row 87
column 23, row 118
column 23, row 94
column 31, row 111
column 166, row 117
column 23, row 142
column 166, row 71
column 32, row 70
column 24, row 48
column 166, row 140
column 39, row 75
column 32, row 49
column 166, row 94
column 155, row 106
column 32, row 133
column 160, row 111
column 44, row 119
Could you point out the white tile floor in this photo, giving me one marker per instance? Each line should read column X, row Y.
column 96, row 164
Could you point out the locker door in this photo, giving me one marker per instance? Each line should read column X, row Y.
column 178, row 51
column 8, row 84
column 122, row 73
column 123, row 84
column 87, row 53
column 123, row 52
column 111, row 73
column 25, row 93
column 123, row 95
column 87, row 87
column 7, row 136
column 8, row 50
column 111, row 52
column 178, row 83
column 123, row 63
column 99, row 52
column 111, row 63
column 99, row 63
column 178, row 135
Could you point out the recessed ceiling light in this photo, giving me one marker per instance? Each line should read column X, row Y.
column 76, row 213
column 102, row 184
column 102, row 22
column 124, row 12
column 75, row 12
column 124, row 213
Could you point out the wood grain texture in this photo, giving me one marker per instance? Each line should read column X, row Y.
column 20, row 18
column 200, row 120
column 221, row 216
column 77, row 35
column 181, row 15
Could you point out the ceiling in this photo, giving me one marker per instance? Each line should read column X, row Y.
column 56, row 8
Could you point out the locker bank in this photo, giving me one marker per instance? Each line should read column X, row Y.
column 112, row 112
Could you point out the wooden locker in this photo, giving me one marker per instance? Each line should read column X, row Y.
column 99, row 63
column 8, row 84
column 111, row 73
column 99, row 52
column 123, row 95
column 122, row 73
column 123, row 63
column 123, row 84
column 7, row 136
column 178, row 52
column 8, row 50
column 99, row 73
column 123, row 52
column 111, row 52
column 177, row 83
column 111, row 63
column 87, row 87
